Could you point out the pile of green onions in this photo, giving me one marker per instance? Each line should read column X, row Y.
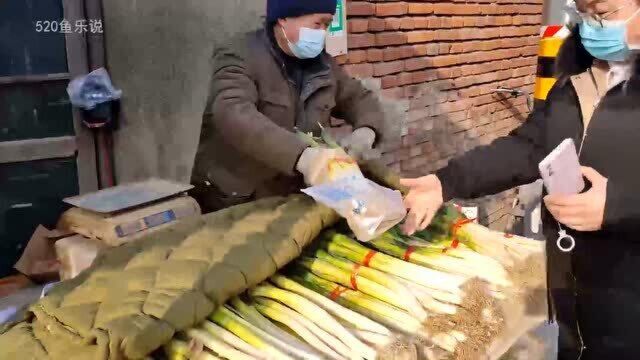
column 347, row 300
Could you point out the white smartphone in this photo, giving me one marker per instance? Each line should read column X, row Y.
column 560, row 170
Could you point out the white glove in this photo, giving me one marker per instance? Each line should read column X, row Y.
column 320, row 165
column 359, row 144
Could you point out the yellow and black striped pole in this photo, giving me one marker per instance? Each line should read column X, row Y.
column 552, row 36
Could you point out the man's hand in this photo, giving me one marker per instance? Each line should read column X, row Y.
column 423, row 201
column 359, row 144
column 582, row 212
column 320, row 165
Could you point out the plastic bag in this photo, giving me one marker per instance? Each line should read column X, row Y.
column 90, row 90
column 370, row 209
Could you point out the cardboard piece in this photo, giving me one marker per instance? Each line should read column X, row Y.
column 76, row 254
column 38, row 260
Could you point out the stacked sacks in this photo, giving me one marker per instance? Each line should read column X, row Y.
column 135, row 297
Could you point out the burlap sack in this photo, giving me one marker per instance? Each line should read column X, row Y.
column 135, row 297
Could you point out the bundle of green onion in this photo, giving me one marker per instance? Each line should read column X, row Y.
column 348, row 300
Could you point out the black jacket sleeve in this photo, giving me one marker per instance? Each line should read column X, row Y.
column 505, row 163
column 621, row 210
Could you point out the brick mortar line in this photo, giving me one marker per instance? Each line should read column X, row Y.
column 461, row 76
column 448, row 42
column 441, row 77
column 455, row 64
column 496, row 83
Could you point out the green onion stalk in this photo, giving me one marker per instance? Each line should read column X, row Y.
column 314, row 313
column 252, row 315
column 391, row 292
column 366, row 305
column 303, row 327
column 228, row 319
column 471, row 266
column 343, row 246
column 353, row 281
column 344, row 314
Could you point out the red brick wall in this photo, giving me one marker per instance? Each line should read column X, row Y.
column 440, row 62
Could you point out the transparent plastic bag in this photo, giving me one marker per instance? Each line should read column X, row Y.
column 370, row 209
column 90, row 90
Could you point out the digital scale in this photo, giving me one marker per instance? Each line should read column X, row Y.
column 124, row 213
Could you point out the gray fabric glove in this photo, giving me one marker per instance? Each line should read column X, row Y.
column 359, row 144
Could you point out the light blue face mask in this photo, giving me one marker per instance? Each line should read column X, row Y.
column 310, row 43
column 607, row 41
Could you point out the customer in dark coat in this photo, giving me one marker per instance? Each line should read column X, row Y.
column 595, row 289
column 265, row 84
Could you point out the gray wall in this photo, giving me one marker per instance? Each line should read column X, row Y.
column 158, row 53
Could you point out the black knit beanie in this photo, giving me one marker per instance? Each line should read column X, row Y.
column 280, row 9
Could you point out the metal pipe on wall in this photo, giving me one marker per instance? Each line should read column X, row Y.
column 97, row 59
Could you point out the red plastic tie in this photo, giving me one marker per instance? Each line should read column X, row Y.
column 354, row 276
column 407, row 254
column 335, row 294
column 454, row 232
column 457, row 225
column 368, row 257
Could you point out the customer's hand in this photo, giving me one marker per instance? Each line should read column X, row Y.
column 319, row 165
column 423, row 201
column 582, row 212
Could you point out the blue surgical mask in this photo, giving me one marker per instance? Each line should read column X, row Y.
column 310, row 43
column 606, row 41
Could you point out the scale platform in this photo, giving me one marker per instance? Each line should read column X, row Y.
column 123, row 213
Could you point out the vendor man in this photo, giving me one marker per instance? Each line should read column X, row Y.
column 265, row 85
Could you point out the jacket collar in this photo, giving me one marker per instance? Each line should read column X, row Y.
column 590, row 86
column 593, row 84
column 318, row 75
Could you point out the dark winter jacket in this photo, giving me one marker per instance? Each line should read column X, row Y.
column 596, row 289
column 248, row 148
